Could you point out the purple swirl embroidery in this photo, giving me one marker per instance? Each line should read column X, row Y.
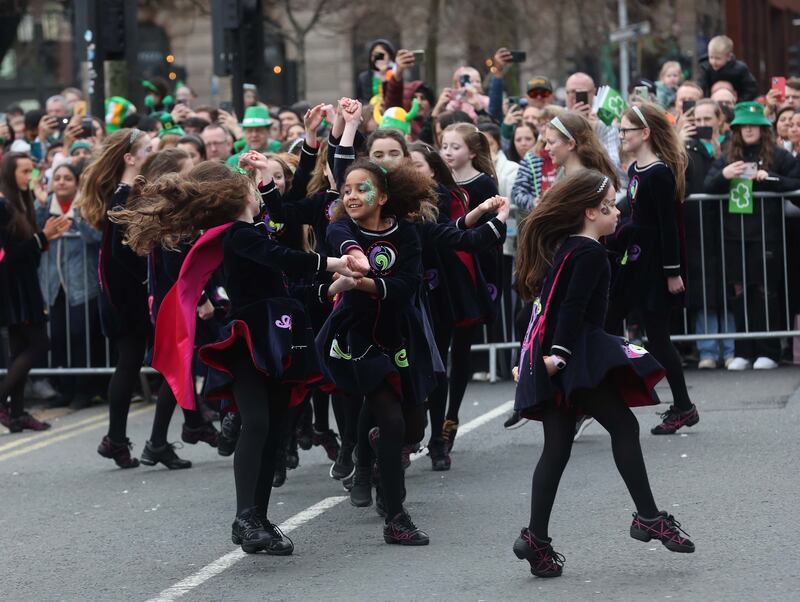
column 492, row 291
column 284, row 322
column 382, row 257
column 432, row 278
column 634, row 253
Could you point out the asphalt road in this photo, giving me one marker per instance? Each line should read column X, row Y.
column 75, row 528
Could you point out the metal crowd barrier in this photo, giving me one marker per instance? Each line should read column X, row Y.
column 777, row 324
column 736, row 332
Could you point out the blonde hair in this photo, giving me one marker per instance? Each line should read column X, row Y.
column 723, row 43
column 671, row 65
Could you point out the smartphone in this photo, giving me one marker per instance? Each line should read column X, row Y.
column 79, row 108
column 518, row 56
column 704, row 132
column 378, row 56
column 642, row 92
column 779, row 84
column 87, row 128
column 688, row 105
column 582, row 96
column 464, row 80
column 179, row 101
column 419, row 56
column 63, row 123
column 226, row 106
column 750, row 170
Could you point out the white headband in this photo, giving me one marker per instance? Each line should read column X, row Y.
column 602, row 186
column 556, row 123
column 640, row 115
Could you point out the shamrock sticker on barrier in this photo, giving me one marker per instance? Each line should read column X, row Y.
column 740, row 198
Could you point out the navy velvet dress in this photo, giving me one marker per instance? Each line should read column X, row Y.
column 568, row 321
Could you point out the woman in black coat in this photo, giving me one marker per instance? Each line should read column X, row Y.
column 23, row 309
column 754, row 261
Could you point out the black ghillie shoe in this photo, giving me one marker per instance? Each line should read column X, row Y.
column 402, row 531
column 663, row 528
column 165, row 454
column 544, row 561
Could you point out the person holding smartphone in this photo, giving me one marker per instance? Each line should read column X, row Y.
column 756, row 236
column 580, row 96
column 467, row 93
column 381, row 58
column 704, row 297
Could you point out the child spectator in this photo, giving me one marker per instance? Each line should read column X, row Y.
column 721, row 64
column 669, row 79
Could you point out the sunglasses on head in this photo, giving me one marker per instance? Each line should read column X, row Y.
column 538, row 94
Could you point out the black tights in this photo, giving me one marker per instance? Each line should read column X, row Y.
column 460, row 368
column 130, row 355
column 656, row 326
column 437, row 400
column 165, row 407
column 399, row 424
column 262, row 405
column 28, row 343
column 606, row 406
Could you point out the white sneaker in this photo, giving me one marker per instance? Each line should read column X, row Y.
column 42, row 389
column 765, row 363
column 481, row 376
column 738, row 363
column 581, row 425
column 728, row 361
column 707, row 364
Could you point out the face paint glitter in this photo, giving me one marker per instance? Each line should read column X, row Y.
column 368, row 188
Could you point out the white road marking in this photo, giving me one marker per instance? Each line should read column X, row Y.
column 228, row 560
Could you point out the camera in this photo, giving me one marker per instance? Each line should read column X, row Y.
column 464, row 79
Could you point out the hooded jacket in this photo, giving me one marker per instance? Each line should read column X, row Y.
column 735, row 72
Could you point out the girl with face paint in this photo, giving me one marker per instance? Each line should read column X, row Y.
column 376, row 342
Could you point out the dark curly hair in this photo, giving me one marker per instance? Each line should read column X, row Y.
column 406, row 189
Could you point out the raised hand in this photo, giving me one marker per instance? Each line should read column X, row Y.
column 56, row 227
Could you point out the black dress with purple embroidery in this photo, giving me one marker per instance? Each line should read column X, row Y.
column 273, row 326
column 649, row 244
column 568, row 321
column 369, row 341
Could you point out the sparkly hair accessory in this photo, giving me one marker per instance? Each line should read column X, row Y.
column 556, row 123
column 603, row 185
column 640, row 115
column 134, row 135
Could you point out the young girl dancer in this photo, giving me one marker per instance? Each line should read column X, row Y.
column 375, row 342
column 267, row 347
column 651, row 247
column 467, row 154
column 456, row 299
column 123, row 293
column 23, row 309
column 163, row 268
column 570, row 366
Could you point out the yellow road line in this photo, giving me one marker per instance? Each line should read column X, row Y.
column 54, row 432
column 42, row 442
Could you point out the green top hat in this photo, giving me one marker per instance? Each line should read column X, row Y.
column 256, row 117
column 750, row 113
column 168, row 126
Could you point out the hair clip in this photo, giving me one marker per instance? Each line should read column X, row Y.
column 556, row 123
column 640, row 115
column 603, row 184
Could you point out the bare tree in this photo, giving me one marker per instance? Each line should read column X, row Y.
column 302, row 17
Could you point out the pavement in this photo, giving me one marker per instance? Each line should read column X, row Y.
column 76, row 528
